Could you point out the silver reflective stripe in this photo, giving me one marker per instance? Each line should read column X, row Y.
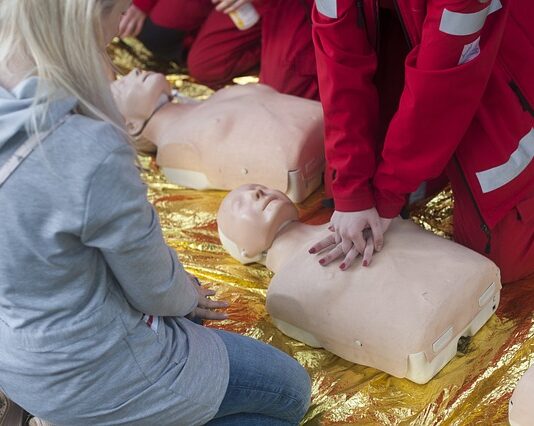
column 24, row 151
column 496, row 177
column 327, row 7
column 462, row 24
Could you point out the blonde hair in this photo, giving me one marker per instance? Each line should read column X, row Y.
column 63, row 41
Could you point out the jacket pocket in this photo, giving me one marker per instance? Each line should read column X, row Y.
column 525, row 210
column 525, row 104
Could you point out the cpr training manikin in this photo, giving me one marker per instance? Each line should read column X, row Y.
column 521, row 405
column 241, row 134
column 404, row 314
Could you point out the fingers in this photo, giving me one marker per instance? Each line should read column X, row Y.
column 206, row 292
column 378, row 234
column 122, row 27
column 228, row 6
column 138, row 28
column 346, row 246
column 368, row 252
column 223, row 5
column 323, row 244
column 349, row 259
column 236, row 5
column 212, row 304
column 209, row 315
column 332, row 255
column 358, row 240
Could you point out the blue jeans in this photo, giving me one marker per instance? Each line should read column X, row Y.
column 266, row 386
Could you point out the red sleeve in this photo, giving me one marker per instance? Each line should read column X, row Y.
column 145, row 5
column 445, row 79
column 346, row 64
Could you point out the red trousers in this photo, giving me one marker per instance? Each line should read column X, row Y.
column 288, row 57
column 510, row 242
column 219, row 51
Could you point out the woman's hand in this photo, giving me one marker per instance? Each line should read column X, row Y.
column 132, row 22
column 353, row 234
column 205, row 308
column 227, row 6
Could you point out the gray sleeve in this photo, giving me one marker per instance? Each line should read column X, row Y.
column 121, row 223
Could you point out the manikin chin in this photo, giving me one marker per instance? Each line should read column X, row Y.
column 404, row 314
column 241, row 134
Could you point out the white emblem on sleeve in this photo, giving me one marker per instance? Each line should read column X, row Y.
column 327, row 7
column 470, row 52
column 462, row 24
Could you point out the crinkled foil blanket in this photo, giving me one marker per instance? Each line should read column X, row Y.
column 474, row 388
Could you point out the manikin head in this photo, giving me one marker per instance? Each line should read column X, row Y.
column 249, row 219
column 138, row 95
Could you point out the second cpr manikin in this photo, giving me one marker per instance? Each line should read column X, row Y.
column 403, row 315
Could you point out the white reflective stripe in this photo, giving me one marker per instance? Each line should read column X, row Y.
column 494, row 6
column 462, row 24
column 499, row 176
column 327, row 7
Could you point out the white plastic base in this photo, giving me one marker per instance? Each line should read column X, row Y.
column 298, row 188
column 187, row 178
column 419, row 369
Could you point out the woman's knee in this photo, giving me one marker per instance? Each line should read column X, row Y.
column 301, row 391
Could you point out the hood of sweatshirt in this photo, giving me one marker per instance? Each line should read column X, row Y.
column 16, row 108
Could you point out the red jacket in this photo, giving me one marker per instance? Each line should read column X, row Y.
column 467, row 102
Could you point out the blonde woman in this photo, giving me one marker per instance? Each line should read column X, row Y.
column 92, row 301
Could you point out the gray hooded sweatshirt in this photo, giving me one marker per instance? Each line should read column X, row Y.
column 82, row 257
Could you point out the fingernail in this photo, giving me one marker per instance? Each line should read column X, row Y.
column 365, row 263
column 342, row 266
column 311, row 251
column 322, row 261
column 378, row 248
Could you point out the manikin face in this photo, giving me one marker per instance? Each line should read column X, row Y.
column 139, row 94
column 251, row 215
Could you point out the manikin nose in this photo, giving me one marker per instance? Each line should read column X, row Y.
column 258, row 193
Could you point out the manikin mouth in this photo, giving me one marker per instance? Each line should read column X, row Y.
column 148, row 74
column 268, row 200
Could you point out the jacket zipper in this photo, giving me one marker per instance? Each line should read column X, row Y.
column 403, row 26
column 525, row 104
column 483, row 225
column 308, row 11
column 360, row 20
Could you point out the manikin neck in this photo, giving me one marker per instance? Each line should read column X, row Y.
column 292, row 237
column 161, row 123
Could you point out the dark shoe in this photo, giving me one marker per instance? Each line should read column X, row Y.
column 10, row 413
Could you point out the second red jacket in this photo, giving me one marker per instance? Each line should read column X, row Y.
column 466, row 102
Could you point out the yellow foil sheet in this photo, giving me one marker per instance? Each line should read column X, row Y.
column 473, row 389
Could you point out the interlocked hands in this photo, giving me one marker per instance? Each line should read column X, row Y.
column 353, row 234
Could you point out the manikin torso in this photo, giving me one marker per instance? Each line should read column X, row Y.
column 521, row 407
column 242, row 134
column 404, row 314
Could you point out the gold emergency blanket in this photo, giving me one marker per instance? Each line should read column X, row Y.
column 474, row 388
